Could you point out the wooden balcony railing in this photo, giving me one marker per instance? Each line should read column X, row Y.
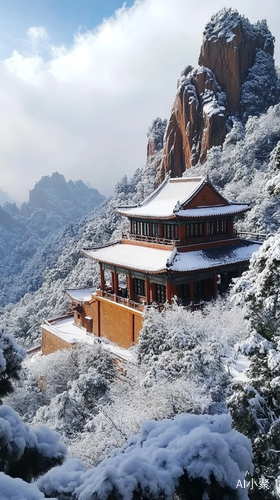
column 150, row 239
column 120, row 300
column 139, row 306
column 253, row 236
column 178, row 243
column 194, row 239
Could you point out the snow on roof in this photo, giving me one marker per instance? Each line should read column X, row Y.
column 80, row 294
column 155, row 260
column 213, row 211
column 214, row 257
column 166, row 198
column 132, row 257
column 68, row 331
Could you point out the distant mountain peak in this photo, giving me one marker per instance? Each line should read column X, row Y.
column 53, row 194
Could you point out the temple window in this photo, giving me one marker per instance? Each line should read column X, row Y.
column 194, row 230
column 185, row 291
column 198, row 287
column 155, row 229
column 133, row 227
column 139, row 287
column 223, row 226
column 216, row 227
column 160, row 293
column 138, row 227
column 146, row 228
column 170, row 231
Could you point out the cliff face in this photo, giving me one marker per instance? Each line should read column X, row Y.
column 198, row 121
column 227, row 82
column 229, row 50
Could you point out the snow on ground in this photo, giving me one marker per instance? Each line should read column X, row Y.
column 239, row 367
column 68, row 331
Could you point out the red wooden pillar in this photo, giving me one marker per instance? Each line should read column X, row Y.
column 168, row 292
column 230, row 227
column 205, row 229
column 102, row 279
column 116, row 283
column 182, row 232
column 160, row 230
column 153, row 292
column 148, row 290
column 215, row 286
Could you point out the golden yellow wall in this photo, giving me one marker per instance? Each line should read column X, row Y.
column 119, row 324
column 115, row 321
column 52, row 343
column 137, row 327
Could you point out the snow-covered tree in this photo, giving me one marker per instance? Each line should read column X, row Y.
column 255, row 404
column 192, row 456
column 24, row 452
column 11, row 356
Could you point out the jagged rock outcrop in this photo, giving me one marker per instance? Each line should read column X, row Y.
column 198, row 122
column 229, row 50
column 236, row 76
column 155, row 137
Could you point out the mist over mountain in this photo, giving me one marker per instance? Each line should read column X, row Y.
column 4, row 197
column 52, row 204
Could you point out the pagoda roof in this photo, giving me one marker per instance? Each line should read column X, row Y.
column 135, row 257
column 171, row 198
column 214, row 257
column 154, row 260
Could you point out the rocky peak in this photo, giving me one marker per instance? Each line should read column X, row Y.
column 236, row 76
column 229, row 49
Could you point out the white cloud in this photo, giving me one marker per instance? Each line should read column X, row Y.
column 85, row 111
column 35, row 33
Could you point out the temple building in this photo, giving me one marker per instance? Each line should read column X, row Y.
column 181, row 243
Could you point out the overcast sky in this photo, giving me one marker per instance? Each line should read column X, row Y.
column 82, row 80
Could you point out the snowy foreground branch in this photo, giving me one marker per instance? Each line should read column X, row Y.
column 199, row 450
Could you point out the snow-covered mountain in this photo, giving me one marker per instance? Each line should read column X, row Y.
column 25, row 232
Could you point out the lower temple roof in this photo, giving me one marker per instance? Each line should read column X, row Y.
column 214, row 257
column 154, row 260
